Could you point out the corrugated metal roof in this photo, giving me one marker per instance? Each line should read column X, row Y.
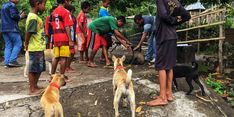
column 195, row 6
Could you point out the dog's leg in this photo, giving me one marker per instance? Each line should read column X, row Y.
column 26, row 64
column 59, row 110
column 189, row 81
column 48, row 112
column 131, row 98
column 196, row 80
column 175, row 83
column 114, row 87
column 26, row 71
column 50, row 67
column 117, row 97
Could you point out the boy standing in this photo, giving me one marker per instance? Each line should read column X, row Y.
column 71, row 9
column 104, row 8
column 81, row 32
column 35, row 45
column 102, row 13
column 61, row 23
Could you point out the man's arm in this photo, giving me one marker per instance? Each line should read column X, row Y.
column 143, row 37
column 68, row 31
column 119, row 35
column 31, row 29
column 123, row 40
column 163, row 13
column 27, row 38
column 80, row 24
column 15, row 14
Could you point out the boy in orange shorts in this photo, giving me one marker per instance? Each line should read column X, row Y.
column 61, row 23
column 81, row 32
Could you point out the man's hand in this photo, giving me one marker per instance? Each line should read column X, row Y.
column 71, row 43
column 51, row 46
column 179, row 18
column 22, row 15
column 138, row 46
column 129, row 47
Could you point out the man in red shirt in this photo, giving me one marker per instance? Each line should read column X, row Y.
column 61, row 24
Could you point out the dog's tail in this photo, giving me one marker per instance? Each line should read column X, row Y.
column 195, row 65
column 129, row 77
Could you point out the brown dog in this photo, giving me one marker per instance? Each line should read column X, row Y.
column 122, row 84
column 50, row 99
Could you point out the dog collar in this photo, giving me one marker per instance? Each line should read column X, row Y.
column 55, row 85
column 119, row 67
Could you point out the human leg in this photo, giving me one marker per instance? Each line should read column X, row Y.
column 106, row 55
column 69, row 61
column 63, row 61
column 150, row 54
column 17, row 45
column 169, row 84
column 8, row 48
column 162, row 99
column 91, row 59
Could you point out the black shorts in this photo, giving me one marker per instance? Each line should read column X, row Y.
column 166, row 55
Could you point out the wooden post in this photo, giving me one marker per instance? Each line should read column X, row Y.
column 221, row 48
column 199, row 32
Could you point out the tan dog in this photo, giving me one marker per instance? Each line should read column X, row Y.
column 49, row 55
column 50, row 98
column 122, row 84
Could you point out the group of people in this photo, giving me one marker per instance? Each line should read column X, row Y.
column 63, row 30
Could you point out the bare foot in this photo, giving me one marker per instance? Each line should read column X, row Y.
column 36, row 92
column 69, row 69
column 67, row 79
column 171, row 98
column 91, row 64
column 38, row 87
column 82, row 62
column 157, row 102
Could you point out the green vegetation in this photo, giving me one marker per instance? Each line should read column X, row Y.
column 217, row 86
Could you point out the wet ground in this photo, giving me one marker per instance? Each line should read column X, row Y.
column 90, row 95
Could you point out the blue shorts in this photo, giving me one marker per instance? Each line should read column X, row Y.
column 36, row 62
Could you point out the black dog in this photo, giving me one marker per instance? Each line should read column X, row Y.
column 190, row 74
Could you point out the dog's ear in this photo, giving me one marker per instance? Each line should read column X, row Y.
column 113, row 58
column 123, row 58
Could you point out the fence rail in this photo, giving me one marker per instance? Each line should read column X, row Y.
column 209, row 18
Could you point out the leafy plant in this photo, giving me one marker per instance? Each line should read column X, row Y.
column 217, row 86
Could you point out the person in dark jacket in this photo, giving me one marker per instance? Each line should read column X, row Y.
column 10, row 32
column 166, row 38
